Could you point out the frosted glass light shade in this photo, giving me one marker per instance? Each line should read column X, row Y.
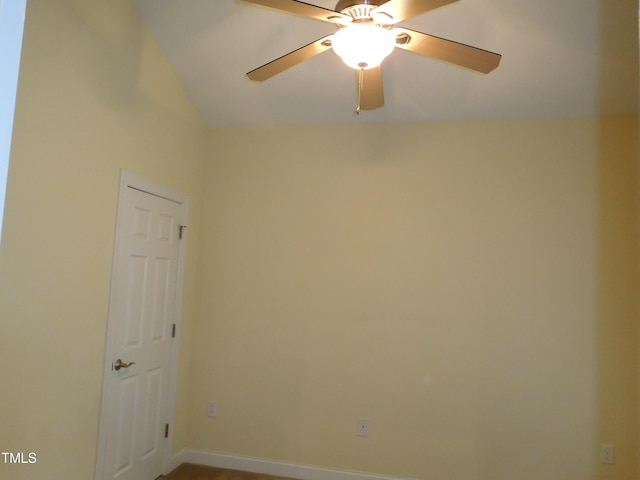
column 363, row 46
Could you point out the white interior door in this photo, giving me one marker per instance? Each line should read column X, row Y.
column 143, row 310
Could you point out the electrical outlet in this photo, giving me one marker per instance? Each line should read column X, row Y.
column 363, row 427
column 212, row 408
column 606, row 454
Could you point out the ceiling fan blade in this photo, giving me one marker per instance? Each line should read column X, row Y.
column 400, row 10
column 305, row 10
column 447, row 50
column 290, row 59
column 371, row 90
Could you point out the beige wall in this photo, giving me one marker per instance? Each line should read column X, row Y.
column 444, row 280
column 618, row 288
column 95, row 95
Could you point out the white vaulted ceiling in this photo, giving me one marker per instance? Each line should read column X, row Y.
column 559, row 58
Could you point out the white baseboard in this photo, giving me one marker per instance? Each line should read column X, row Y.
column 271, row 467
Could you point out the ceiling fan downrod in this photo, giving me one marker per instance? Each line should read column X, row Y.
column 360, row 83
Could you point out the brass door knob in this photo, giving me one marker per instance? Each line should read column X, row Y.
column 120, row 364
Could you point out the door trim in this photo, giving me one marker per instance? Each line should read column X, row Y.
column 129, row 180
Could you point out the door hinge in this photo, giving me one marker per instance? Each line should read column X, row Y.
column 180, row 231
column 166, row 430
column 173, row 331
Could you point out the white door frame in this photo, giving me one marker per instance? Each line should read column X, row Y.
column 129, row 180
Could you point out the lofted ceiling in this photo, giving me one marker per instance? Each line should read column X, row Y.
column 552, row 62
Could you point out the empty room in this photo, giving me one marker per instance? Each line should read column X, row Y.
column 427, row 268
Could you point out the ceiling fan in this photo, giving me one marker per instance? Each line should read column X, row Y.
column 366, row 35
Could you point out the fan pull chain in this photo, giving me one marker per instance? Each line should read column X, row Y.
column 360, row 82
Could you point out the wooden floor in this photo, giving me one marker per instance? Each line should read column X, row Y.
column 188, row 471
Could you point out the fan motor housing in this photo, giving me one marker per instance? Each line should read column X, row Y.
column 346, row 4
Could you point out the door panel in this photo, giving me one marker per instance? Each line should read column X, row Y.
column 143, row 304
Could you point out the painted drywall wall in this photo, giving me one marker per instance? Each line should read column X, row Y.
column 443, row 280
column 95, row 95
column 619, row 289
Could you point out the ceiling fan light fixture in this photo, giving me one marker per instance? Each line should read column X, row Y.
column 363, row 46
